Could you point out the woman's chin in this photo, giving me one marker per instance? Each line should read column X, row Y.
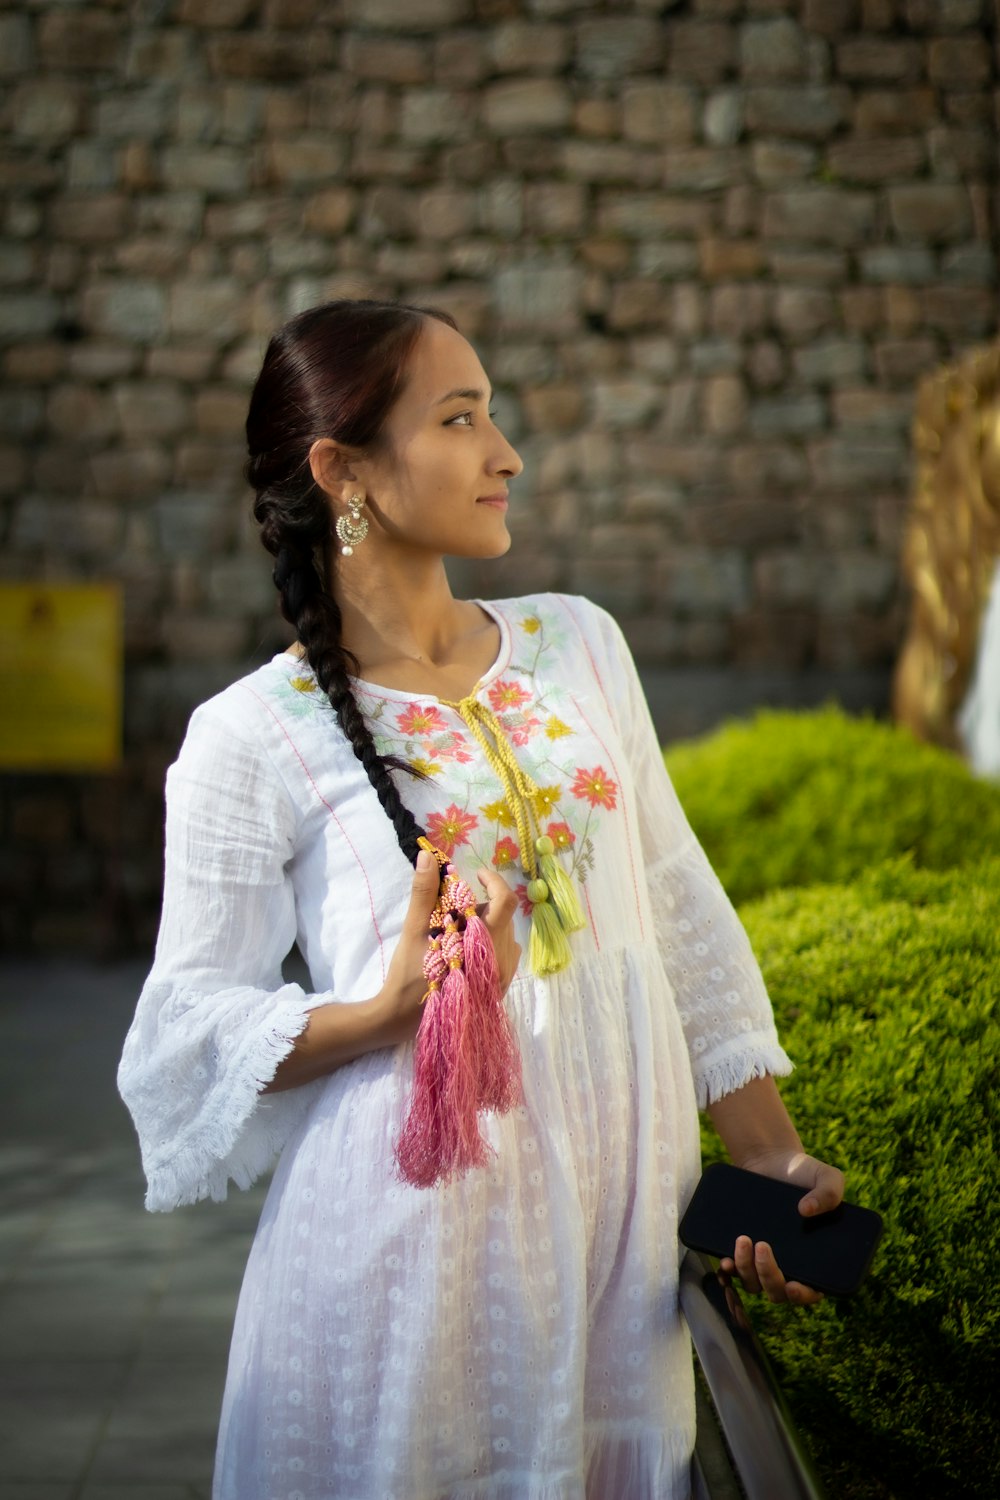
column 480, row 547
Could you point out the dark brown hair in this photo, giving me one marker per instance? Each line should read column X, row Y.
column 335, row 371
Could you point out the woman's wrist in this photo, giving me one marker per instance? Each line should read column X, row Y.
column 334, row 1034
column 390, row 1015
column 754, row 1124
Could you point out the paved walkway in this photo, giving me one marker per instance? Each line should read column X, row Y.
column 114, row 1323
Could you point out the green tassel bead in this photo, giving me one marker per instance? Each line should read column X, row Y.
column 562, row 892
column 548, row 946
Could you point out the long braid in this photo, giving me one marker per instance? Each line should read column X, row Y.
column 334, row 371
column 315, row 613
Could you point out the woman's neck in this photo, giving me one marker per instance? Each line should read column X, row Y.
column 408, row 631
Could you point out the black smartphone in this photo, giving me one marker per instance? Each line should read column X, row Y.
column 830, row 1252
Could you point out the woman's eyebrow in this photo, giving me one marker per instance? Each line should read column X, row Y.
column 462, row 395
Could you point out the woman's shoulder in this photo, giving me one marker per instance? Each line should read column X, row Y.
column 567, row 620
column 260, row 717
column 251, row 700
column 537, row 610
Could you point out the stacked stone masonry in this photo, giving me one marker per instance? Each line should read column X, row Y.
column 706, row 249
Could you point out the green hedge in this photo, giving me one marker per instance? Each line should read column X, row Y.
column 796, row 798
column 885, row 993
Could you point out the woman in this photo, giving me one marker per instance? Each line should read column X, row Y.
column 511, row 1333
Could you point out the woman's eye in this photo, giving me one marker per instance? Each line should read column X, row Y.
column 467, row 418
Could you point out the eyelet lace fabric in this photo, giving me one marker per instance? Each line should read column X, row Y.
column 514, row 1335
column 721, row 1000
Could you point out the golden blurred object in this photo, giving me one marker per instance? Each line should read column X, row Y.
column 60, row 676
column 952, row 541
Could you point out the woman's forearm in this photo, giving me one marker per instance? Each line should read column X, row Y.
column 754, row 1120
column 337, row 1033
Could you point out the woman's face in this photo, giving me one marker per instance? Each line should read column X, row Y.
column 438, row 480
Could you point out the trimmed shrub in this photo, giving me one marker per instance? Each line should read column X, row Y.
column 886, row 996
column 796, row 798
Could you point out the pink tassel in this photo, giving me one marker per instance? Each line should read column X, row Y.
column 466, row 1057
column 441, row 1134
column 499, row 1061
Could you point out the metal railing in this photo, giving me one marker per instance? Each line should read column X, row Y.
column 768, row 1457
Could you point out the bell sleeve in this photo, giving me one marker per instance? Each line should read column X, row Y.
column 215, row 1017
column 716, row 981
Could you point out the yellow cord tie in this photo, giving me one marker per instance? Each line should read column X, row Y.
column 555, row 906
column 519, row 788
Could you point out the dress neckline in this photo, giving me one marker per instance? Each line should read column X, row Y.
column 376, row 690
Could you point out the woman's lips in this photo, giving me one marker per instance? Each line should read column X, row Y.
column 500, row 501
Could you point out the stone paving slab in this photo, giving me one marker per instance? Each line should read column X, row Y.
column 36, row 1491
column 163, row 1423
column 130, row 1490
column 114, row 1323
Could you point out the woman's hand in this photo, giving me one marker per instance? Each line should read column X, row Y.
column 498, row 913
column 399, row 1001
column 755, row 1265
column 758, row 1134
column 337, row 1033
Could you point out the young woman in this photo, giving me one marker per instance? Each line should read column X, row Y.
column 512, row 1331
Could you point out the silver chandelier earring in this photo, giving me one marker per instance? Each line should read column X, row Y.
column 352, row 529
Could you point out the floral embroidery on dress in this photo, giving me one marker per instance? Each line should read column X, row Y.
column 418, row 720
column 561, row 835
column 498, row 812
column 507, row 695
column 595, row 787
column 300, row 694
column 428, row 740
column 450, row 828
column 546, row 798
column 537, row 717
column 506, row 854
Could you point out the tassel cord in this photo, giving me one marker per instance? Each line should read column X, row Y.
column 548, row 885
column 518, row 787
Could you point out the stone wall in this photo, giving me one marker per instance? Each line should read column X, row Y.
column 706, row 250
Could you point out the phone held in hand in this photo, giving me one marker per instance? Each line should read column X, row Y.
column 830, row 1252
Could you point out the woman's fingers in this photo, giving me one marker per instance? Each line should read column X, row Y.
column 802, row 1296
column 498, row 915
column 772, row 1283
column 423, row 896
column 759, row 1272
column 501, row 903
column 746, row 1268
column 826, row 1192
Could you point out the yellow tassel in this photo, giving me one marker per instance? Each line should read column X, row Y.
column 561, row 890
column 548, row 946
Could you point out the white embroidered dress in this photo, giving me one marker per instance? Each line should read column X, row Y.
column 516, row 1335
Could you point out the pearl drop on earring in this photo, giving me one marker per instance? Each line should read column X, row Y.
column 352, row 530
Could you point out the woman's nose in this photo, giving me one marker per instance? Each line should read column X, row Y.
column 508, row 460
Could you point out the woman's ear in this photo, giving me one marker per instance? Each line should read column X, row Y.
column 332, row 468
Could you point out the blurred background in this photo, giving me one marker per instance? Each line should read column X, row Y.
column 707, row 250
column 732, row 268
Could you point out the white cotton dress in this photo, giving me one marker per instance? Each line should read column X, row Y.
column 515, row 1335
column 979, row 716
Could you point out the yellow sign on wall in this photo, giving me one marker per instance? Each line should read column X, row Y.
column 60, row 676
